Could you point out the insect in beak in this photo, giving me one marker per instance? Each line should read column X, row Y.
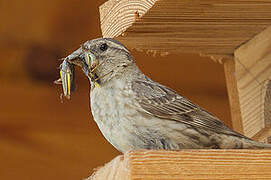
column 67, row 78
column 92, row 64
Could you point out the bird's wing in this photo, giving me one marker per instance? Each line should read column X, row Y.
column 165, row 103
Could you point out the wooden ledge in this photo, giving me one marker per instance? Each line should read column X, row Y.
column 211, row 27
column 188, row 164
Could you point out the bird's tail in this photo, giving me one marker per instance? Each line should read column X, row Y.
column 250, row 144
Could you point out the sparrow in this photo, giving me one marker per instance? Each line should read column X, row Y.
column 134, row 112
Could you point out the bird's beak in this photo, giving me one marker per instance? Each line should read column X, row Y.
column 87, row 60
column 82, row 58
column 76, row 57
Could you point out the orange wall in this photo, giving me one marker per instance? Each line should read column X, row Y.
column 42, row 138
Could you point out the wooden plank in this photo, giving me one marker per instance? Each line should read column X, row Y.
column 117, row 169
column 263, row 135
column 193, row 164
column 116, row 16
column 236, row 118
column 215, row 27
column 253, row 73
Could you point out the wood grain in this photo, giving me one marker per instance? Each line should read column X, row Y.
column 124, row 11
column 253, row 72
column 263, row 135
column 117, row 169
column 201, row 164
column 197, row 164
column 236, row 118
column 213, row 27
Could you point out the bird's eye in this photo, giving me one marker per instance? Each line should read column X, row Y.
column 103, row 47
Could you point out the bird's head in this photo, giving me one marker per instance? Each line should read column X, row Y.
column 101, row 59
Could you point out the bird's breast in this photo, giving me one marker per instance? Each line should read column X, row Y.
column 113, row 110
column 112, row 102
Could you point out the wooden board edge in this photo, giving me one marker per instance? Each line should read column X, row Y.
column 236, row 117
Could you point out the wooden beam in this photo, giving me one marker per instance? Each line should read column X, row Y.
column 117, row 169
column 212, row 27
column 189, row 164
column 117, row 15
column 236, row 118
column 253, row 74
column 263, row 135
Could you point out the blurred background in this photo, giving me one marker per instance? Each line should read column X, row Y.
column 42, row 137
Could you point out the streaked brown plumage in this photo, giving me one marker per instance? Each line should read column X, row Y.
column 134, row 112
